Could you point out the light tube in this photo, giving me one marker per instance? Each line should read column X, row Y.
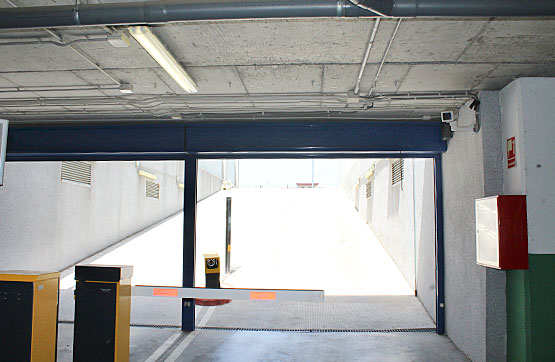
column 158, row 51
column 147, row 174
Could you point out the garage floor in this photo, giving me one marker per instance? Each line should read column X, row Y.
column 336, row 313
column 156, row 344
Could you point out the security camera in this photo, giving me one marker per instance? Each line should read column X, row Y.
column 447, row 116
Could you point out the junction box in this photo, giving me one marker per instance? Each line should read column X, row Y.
column 28, row 315
column 102, row 313
column 502, row 232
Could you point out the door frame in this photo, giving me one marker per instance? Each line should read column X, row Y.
column 192, row 140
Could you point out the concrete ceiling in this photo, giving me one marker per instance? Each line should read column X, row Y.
column 296, row 65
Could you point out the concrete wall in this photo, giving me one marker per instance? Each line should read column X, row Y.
column 230, row 169
column 528, row 109
column 214, row 167
column 474, row 295
column 393, row 219
column 425, row 233
column 49, row 224
column 223, row 169
column 207, row 184
column 401, row 216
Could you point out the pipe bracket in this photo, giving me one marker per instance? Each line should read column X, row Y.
column 76, row 14
column 340, row 8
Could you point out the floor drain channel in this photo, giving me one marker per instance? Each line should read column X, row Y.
column 172, row 326
column 394, row 330
column 391, row 330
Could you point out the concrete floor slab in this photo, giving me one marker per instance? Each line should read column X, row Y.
column 143, row 342
column 246, row 346
column 277, row 346
column 336, row 313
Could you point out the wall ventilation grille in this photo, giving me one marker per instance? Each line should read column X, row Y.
column 77, row 171
column 152, row 190
column 397, row 171
column 369, row 189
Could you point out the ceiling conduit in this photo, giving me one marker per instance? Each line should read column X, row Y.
column 454, row 8
column 156, row 12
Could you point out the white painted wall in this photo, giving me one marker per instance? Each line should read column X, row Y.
column 207, row 184
column 528, row 114
column 393, row 216
column 402, row 216
column 425, row 233
column 47, row 224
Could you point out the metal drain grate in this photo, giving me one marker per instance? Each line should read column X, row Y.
column 392, row 330
column 399, row 330
column 336, row 313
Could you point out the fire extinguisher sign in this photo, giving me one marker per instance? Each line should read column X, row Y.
column 511, row 152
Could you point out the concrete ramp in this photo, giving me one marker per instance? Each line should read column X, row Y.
column 306, row 239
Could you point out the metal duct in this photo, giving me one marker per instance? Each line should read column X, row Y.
column 454, row 8
column 155, row 12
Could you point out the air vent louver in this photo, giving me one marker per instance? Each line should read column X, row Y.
column 77, row 171
column 397, row 171
column 369, row 189
column 152, row 190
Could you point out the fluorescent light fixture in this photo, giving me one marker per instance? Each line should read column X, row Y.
column 3, row 142
column 370, row 172
column 147, row 175
column 158, row 51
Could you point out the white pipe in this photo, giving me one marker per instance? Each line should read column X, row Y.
column 365, row 61
column 384, row 57
column 3, row 142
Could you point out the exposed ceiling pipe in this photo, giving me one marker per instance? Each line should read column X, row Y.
column 423, row 95
column 40, row 41
column 375, row 82
column 156, row 12
column 367, row 54
column 412, row 8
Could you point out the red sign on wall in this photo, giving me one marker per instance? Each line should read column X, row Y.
column 511, row 152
